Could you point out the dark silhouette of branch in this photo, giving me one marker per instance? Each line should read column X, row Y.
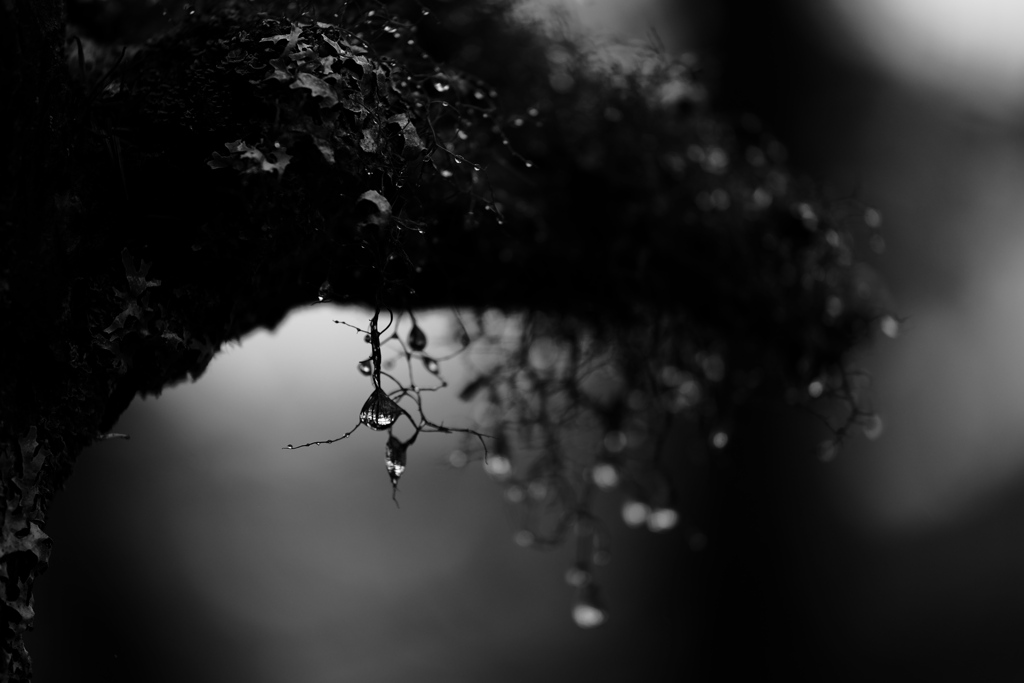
column 161, row 198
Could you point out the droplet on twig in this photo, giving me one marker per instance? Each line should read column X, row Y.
column 417, row 339
column 394, row 458
column 379, row 412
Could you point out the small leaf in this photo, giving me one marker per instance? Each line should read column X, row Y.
column 282, row 162
column 317, row 87
column 325, row 149
column 378, row 200
column 337, row 48
column 292, row 37
column 369, row 141
column 409, row 134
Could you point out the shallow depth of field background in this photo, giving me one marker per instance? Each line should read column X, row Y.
column 201, row 551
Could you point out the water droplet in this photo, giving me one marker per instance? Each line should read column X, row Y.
column 605, row 476
column 615, row 441
column 442, row 87
column 662, row 519
column 872, row 218
column 872, row 426
column 687, row 395
column 714, row 367
column 498, row 466
column 476, row 167
column 518, row 121
column 720, row 439
column 366, row 338
column 366, row 367
column 514, row 493
column 577, row 576
column 588, row 612
column 528, row 164
column 717, row 160
column 762, row 198
column 379, row 412
column 458, row 459
column 325, row 290
column 634, row 512
column 538, row 489
column 807, row 215
column 431, row 365
column 890, row 326
column 394, row 459
column 834, row 307
column 524, row 538
column 457, row 160
column 815, row 388
column 417, row 339
column 479, row 94
column 446, row 173
column 462, row 135
column 425, row 12
column 533, row 111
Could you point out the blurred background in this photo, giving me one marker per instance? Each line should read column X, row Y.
column 201, row 551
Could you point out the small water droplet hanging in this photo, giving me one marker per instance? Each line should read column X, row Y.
column 605, row 476
column 366, row 367
column 417, row 339
column 662, row 519
column 498, row 466
column 890, row 326
column 634, row 512
column 589, row 612
column 394, row 459
column 379, row 412
column 577, row 576
column 431, row 365
column 872, row 426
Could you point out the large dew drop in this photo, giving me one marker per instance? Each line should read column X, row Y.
column 379, row 412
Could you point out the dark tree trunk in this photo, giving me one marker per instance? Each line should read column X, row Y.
column 38, row 437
